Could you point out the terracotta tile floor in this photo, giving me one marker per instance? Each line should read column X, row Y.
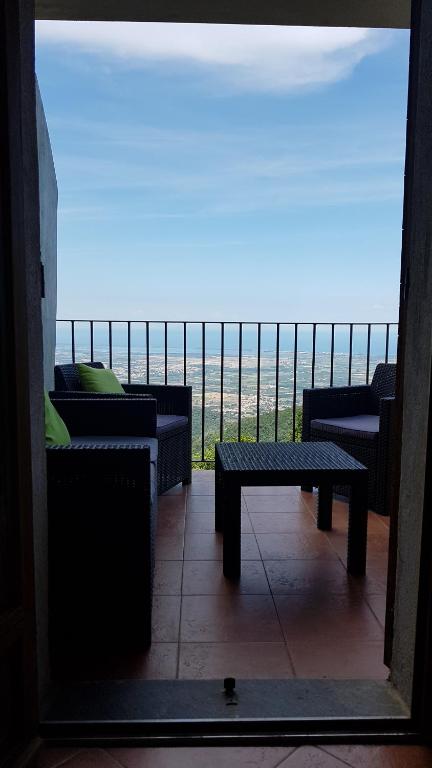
column 295, row 611
column 332, row 756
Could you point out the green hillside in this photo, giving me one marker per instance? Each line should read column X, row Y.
column 248, row 430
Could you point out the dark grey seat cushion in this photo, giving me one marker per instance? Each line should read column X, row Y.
column 364, row 425
column 166, row 422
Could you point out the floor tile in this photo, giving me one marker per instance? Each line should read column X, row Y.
column 85, row 758
column 355, row 660
column 378, row 523
column 306, row 617
column 178, row 490
column 271, row 490
column 298, row 546
column 340, row 518
column 377, row 603
column 328, row 756
column 200, row 504
column 165, row 618
column 168, row 577
column 206, row 503
column 204, row 522
column 202, row 757
column 169, row 547
column 281, row 522
column 54, row 757
column 208, row 546
column 308, row 576
column 377, row 545
column 202, row 484
column 159, row 662
column 174, row 503
column 170, row 523
column 205, row 577
column 229, row 618
column 277, row 503
column 310, row 757
column 403, row 756
column 375, row 580
column 207, row 661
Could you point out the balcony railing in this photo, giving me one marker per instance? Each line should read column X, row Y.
column 247, row 377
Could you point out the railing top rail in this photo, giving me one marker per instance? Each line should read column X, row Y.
column 227, row 322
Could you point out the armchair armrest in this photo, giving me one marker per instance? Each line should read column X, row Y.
column 171, row 398
column 81, row 394
column 328, row 402
column 108, row 416
column 106, row 465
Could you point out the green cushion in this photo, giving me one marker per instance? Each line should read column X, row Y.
column 56, row 431
column 98, row 379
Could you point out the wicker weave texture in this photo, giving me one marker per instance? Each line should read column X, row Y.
column 175, row 445
column 378, row 398
column 101, row 545
column 240, row 457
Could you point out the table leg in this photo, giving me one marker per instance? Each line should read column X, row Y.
column 357, row 529
column 325, row 501
column 231, row 531
column 219, row 495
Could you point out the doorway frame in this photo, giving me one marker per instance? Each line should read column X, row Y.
column 415, row 250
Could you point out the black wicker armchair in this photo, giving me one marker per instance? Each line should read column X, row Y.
column 173, row 427
column 102, row 508
column 359, row 420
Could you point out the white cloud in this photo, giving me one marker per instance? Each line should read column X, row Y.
column 264, row 58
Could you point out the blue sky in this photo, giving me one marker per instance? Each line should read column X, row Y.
column 226, row 173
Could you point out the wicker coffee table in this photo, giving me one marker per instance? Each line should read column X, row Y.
column 315, row 464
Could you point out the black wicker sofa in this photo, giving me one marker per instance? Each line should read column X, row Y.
column 359, row 419
column 172, row 426
column 102, row 509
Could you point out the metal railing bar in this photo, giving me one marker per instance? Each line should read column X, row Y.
column 129, row 351
column 221, row 424
column 294, row 382
column 387, row 342
column 73, row 340
column 110, row 343
column 240, row 380
column 184, row 352
column 258, row 394
column 91, row 341
column 368, row 353
column 203, row 329
column 277, row 382
column 314, row 329
column 332, row 354
column 350, row 354
column 148, row 351
column 166, row 352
